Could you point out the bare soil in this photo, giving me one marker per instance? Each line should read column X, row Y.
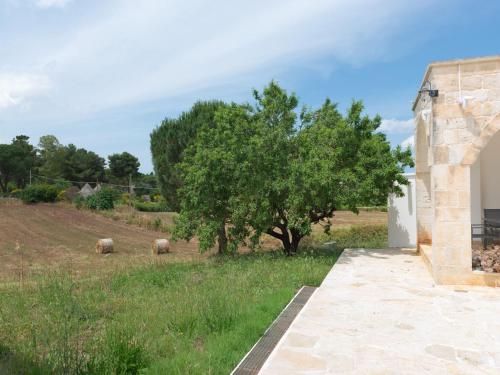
column 37, row 238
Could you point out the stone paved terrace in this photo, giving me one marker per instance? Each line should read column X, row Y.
column 379, row 312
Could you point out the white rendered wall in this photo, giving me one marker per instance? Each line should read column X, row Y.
column 475, row 193
column 490, row 174
column 402, row 218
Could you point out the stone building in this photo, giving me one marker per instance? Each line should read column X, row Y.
column 457, row 148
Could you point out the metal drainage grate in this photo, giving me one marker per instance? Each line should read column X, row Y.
column 255, row 358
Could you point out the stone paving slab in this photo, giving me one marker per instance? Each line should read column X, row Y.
column 379, row 312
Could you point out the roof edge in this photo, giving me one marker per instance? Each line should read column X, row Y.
column 471, row 60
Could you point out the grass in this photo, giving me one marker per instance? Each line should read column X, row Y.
column 371, row 236
column 185, row 318
column 195, row 317
column 153, row 220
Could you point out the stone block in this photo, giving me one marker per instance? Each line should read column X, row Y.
column 451, row 214
column 441, row 155
column 464, row 199
column 471, row 155
column 454, row 275
column 448, row 111
column 446, row 199
column 458, row 178
column 491, row 81
column 450, row 136
column 472, row 82
column 453, row 254
column 478, row 95
column 478, row 67
column 440, row 70
column 456, row 123
column 457, row 153
column 440, row 177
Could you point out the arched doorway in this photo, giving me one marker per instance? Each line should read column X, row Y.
column 485, row 206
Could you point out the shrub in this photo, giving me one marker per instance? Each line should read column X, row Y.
column 102, row 200
column 125, row 198
column 151, row 206
column 11, row 186
column 79, row 201
column 91, row 202
column 16, row 193
column 61, row 196
column 72, row 193
column 39, row 193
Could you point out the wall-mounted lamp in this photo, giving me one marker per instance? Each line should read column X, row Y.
column 432, row 93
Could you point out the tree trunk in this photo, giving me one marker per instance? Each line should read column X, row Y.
column 290, row 238
column 287, row 246
column 296, row 237
column 222, row 239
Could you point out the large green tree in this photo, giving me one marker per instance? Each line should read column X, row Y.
column 83, row 165
column 171, row 138
column 68, row 162
column 16, row 161
column 53, row 158
column 266, row 169
column 123, row 166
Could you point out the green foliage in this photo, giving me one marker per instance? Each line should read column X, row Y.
column 16, row 160
column 356, row 236
column 151, row 206
column 68, row 162
column 39, row 193
column 102, row 200
column 122, row 166
column 122, row 355
column 79, row 201
column 171, row 138
column 16, row 193
column 52, row 157
column 144, row 318
column 146, row 184
column 264, row 169
column 83, row 165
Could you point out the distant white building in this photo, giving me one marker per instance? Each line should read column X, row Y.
column 402, row 216
column 86, row 191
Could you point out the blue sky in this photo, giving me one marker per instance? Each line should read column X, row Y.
column 103, row 74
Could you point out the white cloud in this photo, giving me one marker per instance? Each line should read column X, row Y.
column 15, row 88
column 409, row 142
column 108, row 60
column 125, row 54
column 52, row 3
column 392, row 126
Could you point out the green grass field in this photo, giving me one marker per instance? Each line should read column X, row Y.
column 182, row 318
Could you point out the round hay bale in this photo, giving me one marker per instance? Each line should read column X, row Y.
column 104, row 246
column 160, row 246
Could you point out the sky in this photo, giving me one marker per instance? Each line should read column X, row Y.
column 103, row 74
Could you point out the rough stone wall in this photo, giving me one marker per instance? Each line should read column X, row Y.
column 423, row 186
column 456, row 134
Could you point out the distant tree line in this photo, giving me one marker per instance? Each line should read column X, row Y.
column 52, row 161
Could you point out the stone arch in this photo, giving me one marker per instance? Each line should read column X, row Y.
column 474, row 149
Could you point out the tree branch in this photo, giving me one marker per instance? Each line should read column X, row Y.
column 316, row 217
column 275, row 234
